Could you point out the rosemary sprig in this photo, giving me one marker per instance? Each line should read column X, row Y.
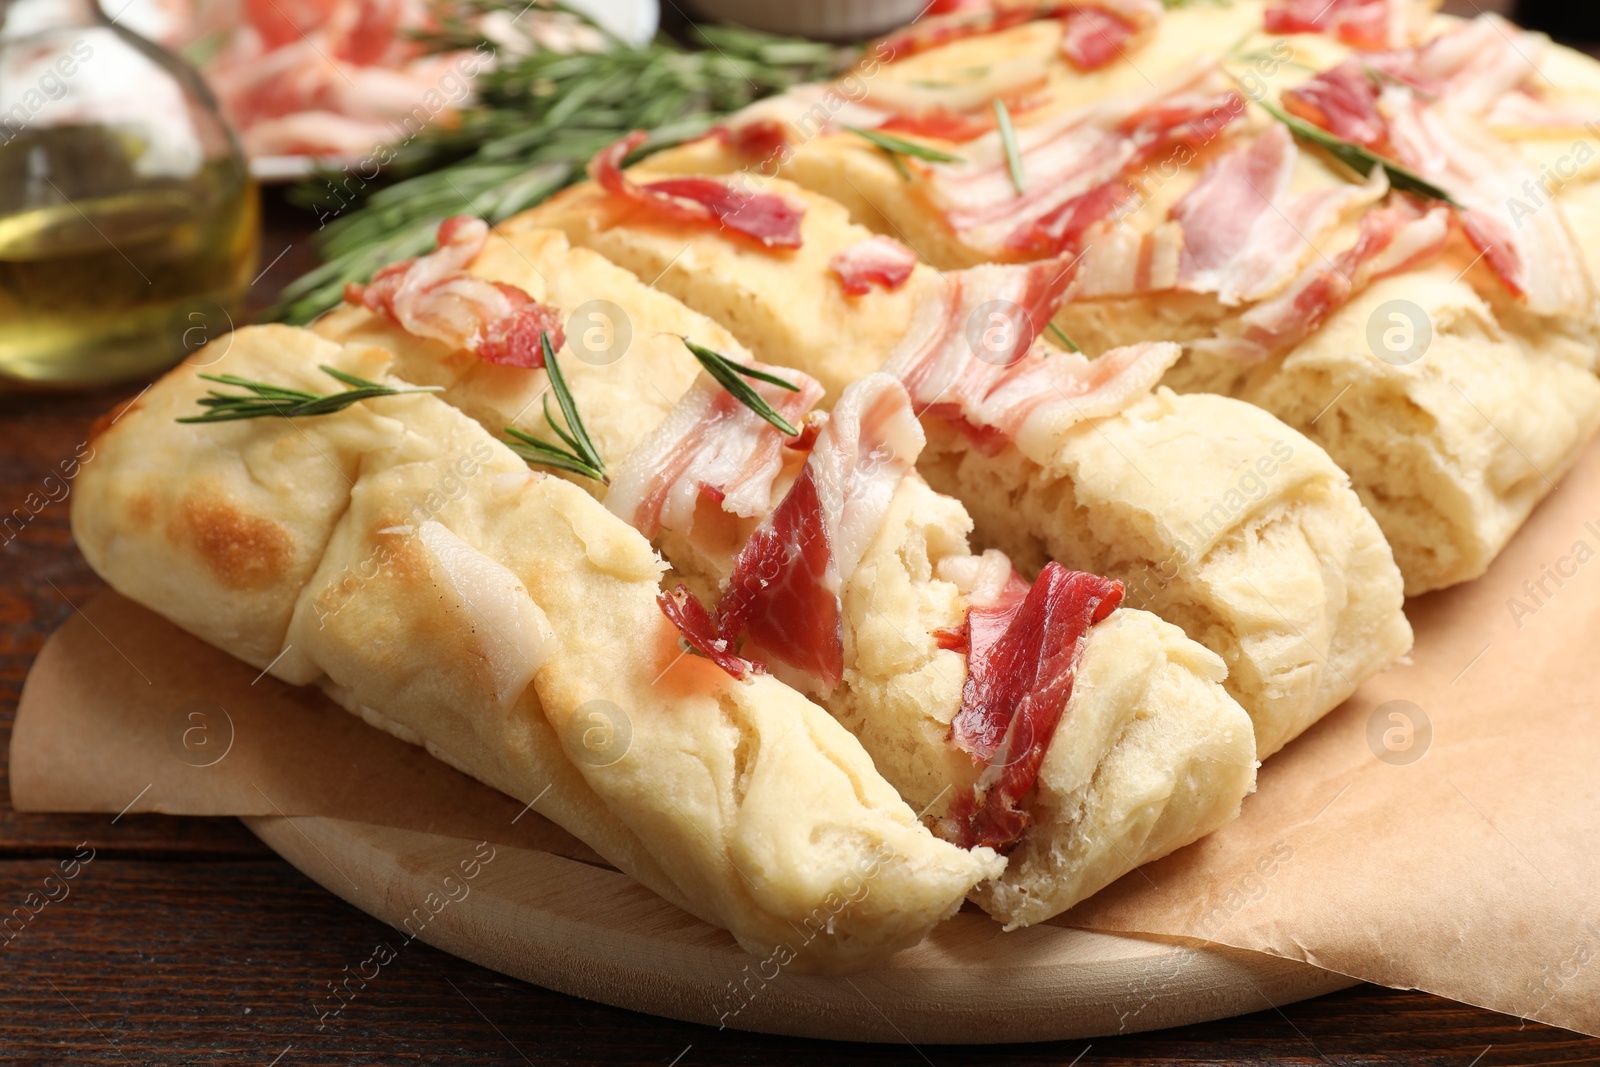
column 1357, row 157
column 901, row 147
column 580, row 456
column 730, row 375
column 275, row 401
column 1008, row 139
column 540, row 119
column 1061, row 335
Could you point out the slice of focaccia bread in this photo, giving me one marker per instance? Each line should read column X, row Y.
column 451, row 578
column 902, row 683
column 1315, row 610
column 1151, row 753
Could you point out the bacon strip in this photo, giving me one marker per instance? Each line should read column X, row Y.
column 786, row 581
column 767, row 217
column 1428, row 114
column 880, row 261
column 1118, row 260
column 1245, row 235
column 1369, row 24
column 710, row 444
column 1019, row 679
column 1077, row 166
column 970, row 359
column 699, row 629
column 1393, row 239
column 1094, row 32
column 433, row 296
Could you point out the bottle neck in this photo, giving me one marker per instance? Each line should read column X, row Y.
column 24, row 18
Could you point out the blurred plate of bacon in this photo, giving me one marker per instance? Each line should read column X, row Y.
column 309, row 82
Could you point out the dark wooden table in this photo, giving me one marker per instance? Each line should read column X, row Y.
column 187, row 941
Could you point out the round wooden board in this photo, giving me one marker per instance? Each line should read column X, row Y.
column 592, row 932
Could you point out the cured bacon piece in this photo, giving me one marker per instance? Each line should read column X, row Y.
column 986, row 317
column 1118, row 260
column 880, row 261
column 433, row 296
column 970, row 359
column 1094, row 32
column 1395, row 238
column 710, row 444
column 1368, row 24
column 699, row 629
column 941, row 123
column 767, row 217
column 1093, row 37
column 1245, row 235
column 784, row 593
column 1077, row 164
column 1428, row 115
column 1019, row 679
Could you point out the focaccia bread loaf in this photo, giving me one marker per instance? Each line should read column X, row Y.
column 1324, row 611
column 1448, row 484
column 901, row 689
column 449, row 577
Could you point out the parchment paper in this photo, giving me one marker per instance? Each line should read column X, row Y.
column 1437, row 831
column 123, row 712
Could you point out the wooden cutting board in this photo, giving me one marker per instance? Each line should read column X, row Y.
column 590, row 931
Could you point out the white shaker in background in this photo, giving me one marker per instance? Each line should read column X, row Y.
column 827, row 19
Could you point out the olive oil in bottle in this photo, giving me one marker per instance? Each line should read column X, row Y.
column 128, row 222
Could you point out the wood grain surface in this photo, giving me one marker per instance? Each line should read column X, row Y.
column 186, row 941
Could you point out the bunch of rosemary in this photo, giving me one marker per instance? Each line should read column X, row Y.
column 539, row 120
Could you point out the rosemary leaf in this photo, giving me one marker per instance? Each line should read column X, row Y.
column 902, row 147
column 583, row 459
column 898, row 164
column 1357, row 157
column 730, row 375
column 1061, row 335
column 265, row 400
column 1008, row 139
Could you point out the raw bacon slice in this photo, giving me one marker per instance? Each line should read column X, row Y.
column 1118, row 260
column 710, row 444
column 1013, row 390
column 880, row 261
column 1077, row 164
column 699, row 629
column 1019, row 680
column 1094, row 32
column 1428, row 114
column 1093, row 37
column 1395, row 238
column 784, row 593
column 767, row 217
column 1245, row 235
column 433, row 296
column 1367, row 24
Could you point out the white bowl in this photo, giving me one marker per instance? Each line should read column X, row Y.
column 829, row 19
